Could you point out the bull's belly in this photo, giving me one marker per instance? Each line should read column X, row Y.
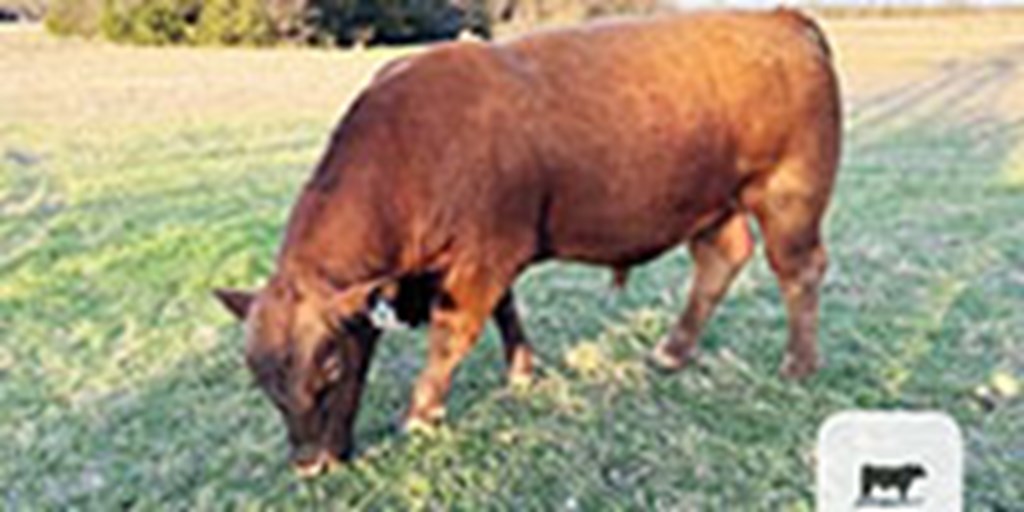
column 625, row 241
column 626, row 196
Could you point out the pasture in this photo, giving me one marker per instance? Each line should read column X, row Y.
column 132, row 181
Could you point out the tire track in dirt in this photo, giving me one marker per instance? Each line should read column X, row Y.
column 959, row 96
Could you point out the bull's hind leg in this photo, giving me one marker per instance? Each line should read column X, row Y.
column 718, row 255
column 789, row 208
column 518, row 352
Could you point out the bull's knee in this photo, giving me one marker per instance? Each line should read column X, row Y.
column 798, row 261
column 802, row 274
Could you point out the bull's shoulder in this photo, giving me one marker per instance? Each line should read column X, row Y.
column 449, row 81
column 443, row 58
column 392, row 68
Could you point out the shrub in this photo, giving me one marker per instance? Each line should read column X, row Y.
column 235, row 22
column 74, row 17
column 600, row 8
column 290, row 19
column 149, row 22
column 262, row 22
column 386, row 21
column 519, row 15
column 31, row 10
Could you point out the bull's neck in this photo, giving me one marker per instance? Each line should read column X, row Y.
column 337, row 235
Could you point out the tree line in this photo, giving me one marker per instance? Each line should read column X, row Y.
column 314, row 22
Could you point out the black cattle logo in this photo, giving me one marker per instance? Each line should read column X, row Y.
column 886, row 477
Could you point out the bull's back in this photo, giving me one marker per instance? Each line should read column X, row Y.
column 647, row 130
column 607, row 144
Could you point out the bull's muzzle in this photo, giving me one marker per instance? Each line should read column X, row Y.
column 311, row 461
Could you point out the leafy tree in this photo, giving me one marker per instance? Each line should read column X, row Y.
column 149, row 22
column 387, row 21
column 32, row 10
column 74, row 17
column 235, row 22
column 264, row 22
column 290, row 19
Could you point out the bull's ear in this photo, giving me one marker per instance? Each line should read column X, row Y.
column 237, row 302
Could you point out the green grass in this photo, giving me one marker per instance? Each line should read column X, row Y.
column 122, row 381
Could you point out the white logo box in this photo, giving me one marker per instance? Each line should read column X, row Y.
column 866, row 458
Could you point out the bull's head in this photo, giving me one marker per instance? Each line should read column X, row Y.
column 309, row 350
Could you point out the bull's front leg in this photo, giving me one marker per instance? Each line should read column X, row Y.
column 469, row 296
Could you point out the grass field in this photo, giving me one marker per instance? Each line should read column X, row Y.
column 132, row 181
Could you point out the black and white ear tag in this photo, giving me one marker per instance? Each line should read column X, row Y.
column 383, row 316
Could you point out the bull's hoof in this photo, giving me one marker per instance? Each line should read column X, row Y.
column 799, row 368
column 520, row 382
column 424, row 424
column 419, row 427
column 308, row 471
column 668, row 357
column 315, row 467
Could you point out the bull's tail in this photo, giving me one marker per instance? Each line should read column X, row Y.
column 810, row 27
column 620, row 276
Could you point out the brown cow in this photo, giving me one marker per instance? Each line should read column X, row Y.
column 608, row 144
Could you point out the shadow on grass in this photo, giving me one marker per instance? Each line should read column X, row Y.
column 922, row 303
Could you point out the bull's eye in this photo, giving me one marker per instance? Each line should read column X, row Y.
column 270, row 377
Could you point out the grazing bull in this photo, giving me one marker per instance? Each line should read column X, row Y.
column 609, row 144
column 884, row 477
